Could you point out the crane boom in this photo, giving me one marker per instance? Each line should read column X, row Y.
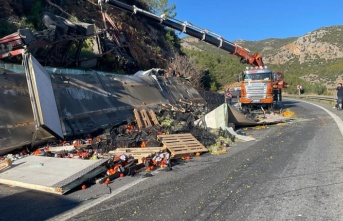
column 194, row 31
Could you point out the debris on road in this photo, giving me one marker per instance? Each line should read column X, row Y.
column 138, row 153
column 152, row 140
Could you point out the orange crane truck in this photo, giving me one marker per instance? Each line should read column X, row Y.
column 260, row 87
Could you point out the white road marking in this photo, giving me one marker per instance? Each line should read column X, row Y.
column 82, row 208
column 338, row 120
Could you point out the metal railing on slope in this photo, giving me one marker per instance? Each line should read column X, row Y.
column 312, row 97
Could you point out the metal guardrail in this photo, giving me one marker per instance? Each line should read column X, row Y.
column 312, row 97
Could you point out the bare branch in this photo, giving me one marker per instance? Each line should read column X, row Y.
column 58, row 7
column 186, row 67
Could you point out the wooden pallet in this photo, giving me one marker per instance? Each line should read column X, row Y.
column 138, row 119
column 145, row 118
column 5, row 164
column 153, row 117
column 137, row 153
column 182, row 144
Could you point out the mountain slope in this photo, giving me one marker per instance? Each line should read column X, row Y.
column 322, row 44
column 315, row 57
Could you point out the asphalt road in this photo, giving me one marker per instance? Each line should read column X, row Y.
column 291, row 172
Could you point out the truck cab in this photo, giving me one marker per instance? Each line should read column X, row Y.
column 256, row 88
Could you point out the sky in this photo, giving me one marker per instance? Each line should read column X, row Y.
column 259, row 20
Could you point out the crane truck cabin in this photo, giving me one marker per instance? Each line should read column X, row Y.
column 260, row 87
column 256, row 88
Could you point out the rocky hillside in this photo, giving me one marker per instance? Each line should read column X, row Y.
column 322, row 44
column 151, row 45
column 315, row 57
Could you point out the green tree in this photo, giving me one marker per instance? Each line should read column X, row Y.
column 7, row 28
column 34, row 16
column 206, row 81
column 160, row 7
column 222, row 68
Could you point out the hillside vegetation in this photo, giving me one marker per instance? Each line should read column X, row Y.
column 313, row 60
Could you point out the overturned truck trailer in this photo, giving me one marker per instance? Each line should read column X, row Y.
column 40, row 102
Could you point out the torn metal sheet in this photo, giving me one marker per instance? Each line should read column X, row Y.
column 241, row 137
column 238, row 119
column 86, row 101
column 94, row 100
column 181, row 92
column 224, row 114
column 42, row 97
column 216, row 119
column 17, row 124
